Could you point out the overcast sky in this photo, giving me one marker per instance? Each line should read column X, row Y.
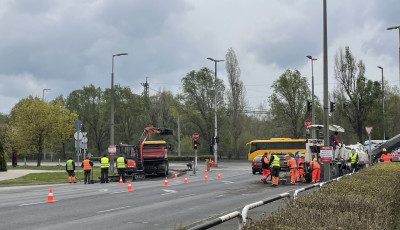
column 65, row 45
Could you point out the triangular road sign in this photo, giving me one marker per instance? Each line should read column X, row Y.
column 369, row 129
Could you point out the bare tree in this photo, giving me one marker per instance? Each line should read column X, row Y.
column 235, row 96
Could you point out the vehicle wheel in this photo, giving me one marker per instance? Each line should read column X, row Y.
column 254, row 172
column 166, row 168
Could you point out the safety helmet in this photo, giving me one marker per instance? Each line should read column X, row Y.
column 315, row 159
column 384, row 149
column 302, row 155
column 286, row 156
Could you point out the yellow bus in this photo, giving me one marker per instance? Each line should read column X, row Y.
column 259, row 147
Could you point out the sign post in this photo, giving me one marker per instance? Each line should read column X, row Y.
column 368, row 129
column 326, row 155
column 307, row 123
column 112, row 150
column 78, row 137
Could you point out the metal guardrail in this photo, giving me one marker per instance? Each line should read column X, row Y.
column 243, row 216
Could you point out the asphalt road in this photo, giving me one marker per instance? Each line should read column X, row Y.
column 150, row 206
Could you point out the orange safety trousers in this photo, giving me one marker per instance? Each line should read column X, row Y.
column 316, row 174
column 293, row 175
column 266, row 173
column 300, row 175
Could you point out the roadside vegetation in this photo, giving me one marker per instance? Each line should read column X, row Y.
column 366, row 200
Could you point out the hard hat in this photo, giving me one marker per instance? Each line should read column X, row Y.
column 384, row 149
column 286, row 156
column 302, row 155
column 314, row 159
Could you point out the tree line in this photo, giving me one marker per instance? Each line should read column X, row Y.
column 35, row 125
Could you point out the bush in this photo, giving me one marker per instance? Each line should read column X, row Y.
column 366, row 200
column 3, row 158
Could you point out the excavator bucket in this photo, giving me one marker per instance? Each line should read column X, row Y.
column 166, row 132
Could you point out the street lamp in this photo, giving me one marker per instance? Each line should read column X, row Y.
column 312, row 98
column 112, row 107
column 215, row 111
column 383, row 105
column 393, row 28
column 43, row 93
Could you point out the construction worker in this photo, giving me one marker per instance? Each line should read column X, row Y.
column 300, row 171
column 266, row 167
column 292, row 166
column 87, row 166
column 334, row 140
column 385, row 157
column 121, row 164
column 316, row 170
column 104, row 165
column 70, row 168
column 276, row 168
column 354, row 160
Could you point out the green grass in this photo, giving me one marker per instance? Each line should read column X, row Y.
column 37, row 168
column 47, row 177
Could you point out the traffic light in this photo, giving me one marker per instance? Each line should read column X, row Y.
column 309, row 106
column 217, row 139
column 344, row 105
column 332, row 106
column 212, row 140
column 195, row 144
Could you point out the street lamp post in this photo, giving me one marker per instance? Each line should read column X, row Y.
column 43, row 93
column 44, row 150
column 215, row 111
column 383, row 105
column 112, row 107
column 312, row 98
column 398, row 28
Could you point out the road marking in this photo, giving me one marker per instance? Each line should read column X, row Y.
column 118, row 192
column 168, row 192
column 110, row 210
column 32, row 203
column 103, row 190
column 227, row 182
column 219, row 196
column 187, row 195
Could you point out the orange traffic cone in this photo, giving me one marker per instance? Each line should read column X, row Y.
column 205, row 177
column 185, row 181
column 50, row 197
column 219, row 176
column 166, row 182
column 120, row 180
column 129, row 187
column 206, row 171
column 176, row 176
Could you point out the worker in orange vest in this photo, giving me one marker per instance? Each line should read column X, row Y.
column 386, row 157
column 316, row 170
column 291, row 164
column 266, row 167
column 300, row 171
column 87, row 166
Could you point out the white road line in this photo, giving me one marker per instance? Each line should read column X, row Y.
column 110, row 210
column 118, row 192
column 187, row 195
column 32, row 203
column 219, row 196
column 227, row 182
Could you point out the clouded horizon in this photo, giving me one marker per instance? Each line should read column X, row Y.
column 65, row 45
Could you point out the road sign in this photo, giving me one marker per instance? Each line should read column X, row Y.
column 84, row 140
column 326, row 153
column 78, row 135
column 78, row 125
column 369, row 129
column 112, row 149
column 307, row 123
column 195, row 136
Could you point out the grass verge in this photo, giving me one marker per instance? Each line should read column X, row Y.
column 366, row 200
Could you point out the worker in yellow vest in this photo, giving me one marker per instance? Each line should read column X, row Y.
column 87, row 166
column 70, row 168
column 276, row 168
column 121, row 165
column 353, row 160
column 104, row 165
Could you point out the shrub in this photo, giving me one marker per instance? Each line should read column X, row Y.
column 3, row 158
column 366, row 200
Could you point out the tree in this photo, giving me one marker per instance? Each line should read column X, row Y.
column 33, row 121
column 360, row 93
column 3, row 158
column 236, row 96
column 198, row 98
column 288, row 101
column 91, row 106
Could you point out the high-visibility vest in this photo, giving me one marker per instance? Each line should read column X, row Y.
column 276, row 161
column 292, row 163
column 314, row 165
column 300, row 163
column 353, row 157
column 121, row 162
column 265, row 162
column 86, row 165
column 386, row 157
column 69, row 164
column 104, row 162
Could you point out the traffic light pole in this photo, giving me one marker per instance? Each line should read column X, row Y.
column 195, row 161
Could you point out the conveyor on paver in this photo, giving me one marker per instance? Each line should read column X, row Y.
column 390, row 145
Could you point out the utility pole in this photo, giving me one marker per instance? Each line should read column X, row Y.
column 326, row 166
column 146, row 93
